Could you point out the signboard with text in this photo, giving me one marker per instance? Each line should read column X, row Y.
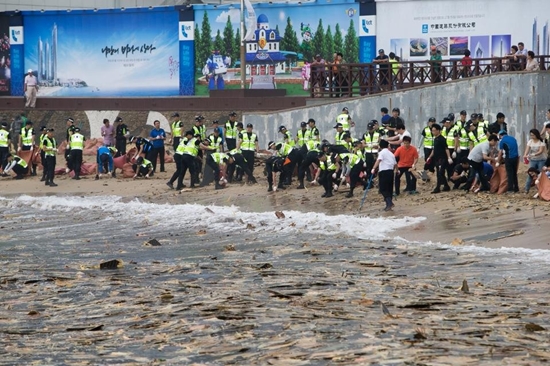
column 486, row 28
column 130, row 53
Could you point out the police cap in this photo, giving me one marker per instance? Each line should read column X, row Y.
column 249, row 125
column 282, row 128
column 118, row 119
column 303, row 124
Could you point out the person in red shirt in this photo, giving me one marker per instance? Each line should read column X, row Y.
column 406, row 156
column 466, row 65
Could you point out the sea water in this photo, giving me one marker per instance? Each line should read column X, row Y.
column 232, row 254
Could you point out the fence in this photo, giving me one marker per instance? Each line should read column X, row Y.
column 349, row 80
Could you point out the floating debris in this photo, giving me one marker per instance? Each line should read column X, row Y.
column 112, row 264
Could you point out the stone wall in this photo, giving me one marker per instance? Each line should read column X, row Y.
column 523, row 97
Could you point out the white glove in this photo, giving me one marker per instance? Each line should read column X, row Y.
column 372, row 171
column 135, row 176
column 32, row 148
column 146, row 175
column 453, row 155
column 18, row 148
column 275, row 189
column 497, row 165
column 364, row 165
column 333, row 175
column 100, row 175
column 537, row 181
column 450, row 161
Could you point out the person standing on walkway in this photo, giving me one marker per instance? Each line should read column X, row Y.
column 50, row 152
column 31, row 88
column 77, row 145
column 108, row 133
column 248, row 144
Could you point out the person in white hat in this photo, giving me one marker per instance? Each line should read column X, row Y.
column 31, row 88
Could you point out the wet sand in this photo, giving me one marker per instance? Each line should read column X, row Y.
column 474, row 219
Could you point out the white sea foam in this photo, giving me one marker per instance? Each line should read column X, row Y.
column 226, row 218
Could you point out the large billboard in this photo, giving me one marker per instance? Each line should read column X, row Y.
column 282, row 37
column 104, row 53
column 487, row 28
column 5, row 56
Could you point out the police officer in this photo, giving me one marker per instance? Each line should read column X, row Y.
column 121, row 135
column 216, row 140
column 287, row 136
column 5, row 145
column 188, row 160
column 176, row 130
column 217, row 161
column 43, row 135
column 178, row 155
column 428, row 142
column 371, row 141
column 68, row 133
column 292, row 157
column 327, row 168
column 142, row 145
column 311, row 157
column 77, row 145
column 274, row 165
column 345, row 120
column 248, row 144
column 142, row 167
column 241, row 165
column 313, row 131
column 50, row 152
column 26, row 142
column 18, row 165
column 230, row 131
column 302, row 135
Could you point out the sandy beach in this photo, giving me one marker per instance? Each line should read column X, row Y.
column 478, row 219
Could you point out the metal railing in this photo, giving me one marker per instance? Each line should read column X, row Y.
column 351, row 80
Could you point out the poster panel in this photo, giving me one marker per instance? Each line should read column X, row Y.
column 104, row 53
column 5, row 55
column 487, row 28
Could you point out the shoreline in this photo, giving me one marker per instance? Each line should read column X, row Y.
column 454, row 217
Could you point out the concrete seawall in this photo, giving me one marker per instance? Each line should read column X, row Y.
column 523, row 97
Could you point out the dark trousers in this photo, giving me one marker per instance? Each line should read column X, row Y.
column 120, row 145
column 427, row 166
column 511, row 165
column 76, row 159
column 270, row 168
column 440, row 170
column 176, row 143
column 242, row 165
column 187, row 163
column 326, row 180
column 249, row 157
column 478, row 168
column 4, row 152
column 153, row 155
column 385, row 185
column 294, row 158
column 177, row 160
column 20, row 171
column 354, row 175
column 141, row 171
column 409, row 178
column 68, row 158
column 312, row 157
column 43, row 161
column 370, row 158
column 215, row 167
column 50, row 168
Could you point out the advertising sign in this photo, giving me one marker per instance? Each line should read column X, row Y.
column 5, row 56
column 486, row 28
column 104, row 53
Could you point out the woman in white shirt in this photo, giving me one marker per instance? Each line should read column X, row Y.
column 386, row 165
column 532, row 63
column 536, row 153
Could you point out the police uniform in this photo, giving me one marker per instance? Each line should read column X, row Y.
column 142, row 167
column 239, row 162
column 41, row 138
column 231, row 132
column 328, row 169
column 214, row 161
column 4, row 145
column 50, row 151
column 19, row 167
column 248, row 143
column 176, row 130
column 76, row 142
column 311, row 157
column 274, row 164
column 120, row 137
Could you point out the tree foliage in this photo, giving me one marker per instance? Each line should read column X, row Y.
column 329, row 42
column 289, row 41
column 351, row 48
column 338, row 40
column 206, row 46
column 228, row 43
column 318, row 42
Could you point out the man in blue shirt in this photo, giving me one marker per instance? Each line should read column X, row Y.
column 508, row 146
column 157, row 137
column 105, row 161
